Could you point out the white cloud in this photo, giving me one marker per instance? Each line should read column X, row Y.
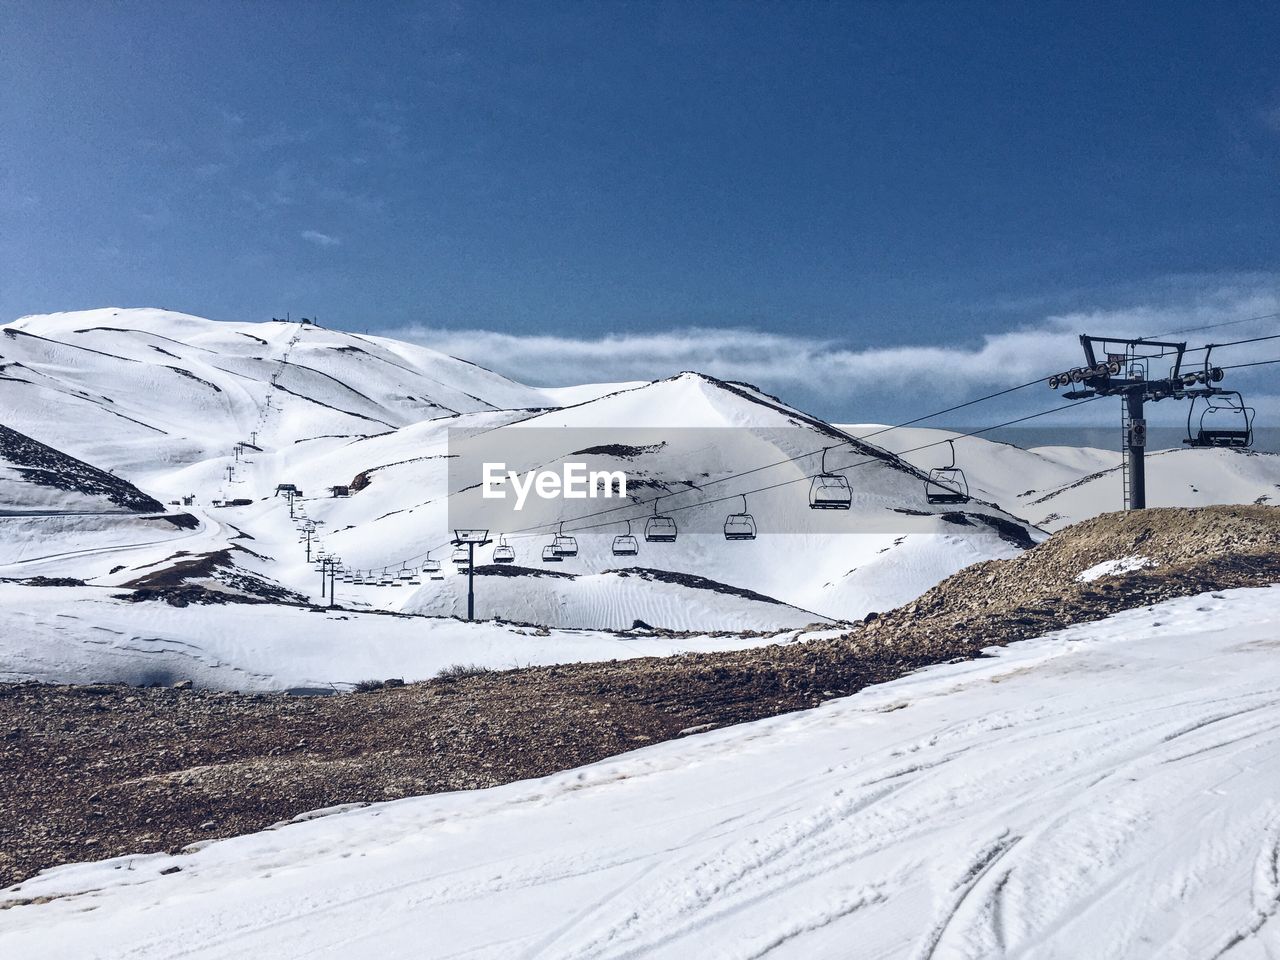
column 319, row 239
column 784, row 363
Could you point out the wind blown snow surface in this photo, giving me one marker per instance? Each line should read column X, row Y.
column 1108, row 791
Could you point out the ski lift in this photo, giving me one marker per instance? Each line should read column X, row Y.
column 659, row 528
column 358, row 579
column 432, row 568
column 405, row 575
column 385, row 580
column 461, row 556
column 565, row 546
column 947, row 484
column 740, row 526
column 625, row 545
column 550, row 555
column 1224, row 421
column 503, row 553
column 348, row 577
column 829, row 491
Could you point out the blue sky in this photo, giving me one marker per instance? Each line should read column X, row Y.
column 485, row 176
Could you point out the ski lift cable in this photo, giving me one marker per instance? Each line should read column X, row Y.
column 888, row 429
column 1256, row 363
column 528, row 531
column 806, row 477
column 1207, row 346
column 802, row 456
column 1215, row 326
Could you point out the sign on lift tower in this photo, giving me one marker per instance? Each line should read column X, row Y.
column 1122, row 372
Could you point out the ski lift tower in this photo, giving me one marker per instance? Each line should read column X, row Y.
column 1117, row 367
column 471, row 539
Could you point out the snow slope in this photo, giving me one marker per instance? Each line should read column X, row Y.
column 1053, row 487
column 85, row 635
column 613, row 600
column 1107, row 791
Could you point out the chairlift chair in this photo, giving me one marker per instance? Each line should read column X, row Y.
column 829, row 491
column 565, row 546
column 461, row 556
column 659, row 528
column 432, row 568
column 947, row 484
column 358, row 579
column 625, row 545
column 551, row 555
column 1224, row 421
column 385, row 580
column 503, row 553
column 740, row 526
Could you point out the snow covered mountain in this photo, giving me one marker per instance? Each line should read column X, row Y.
column 212, row 417
column 247, row 407
column 675, row 438
column 144, row 391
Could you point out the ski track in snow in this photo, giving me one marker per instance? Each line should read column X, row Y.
column 1108, row 791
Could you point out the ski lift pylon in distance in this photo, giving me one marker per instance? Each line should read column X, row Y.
column 740, row 526
column 829, row 491
column 660, row 528
column 625, row 545
column 947, row 484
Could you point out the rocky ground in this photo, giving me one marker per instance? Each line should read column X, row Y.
column 94, row 771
